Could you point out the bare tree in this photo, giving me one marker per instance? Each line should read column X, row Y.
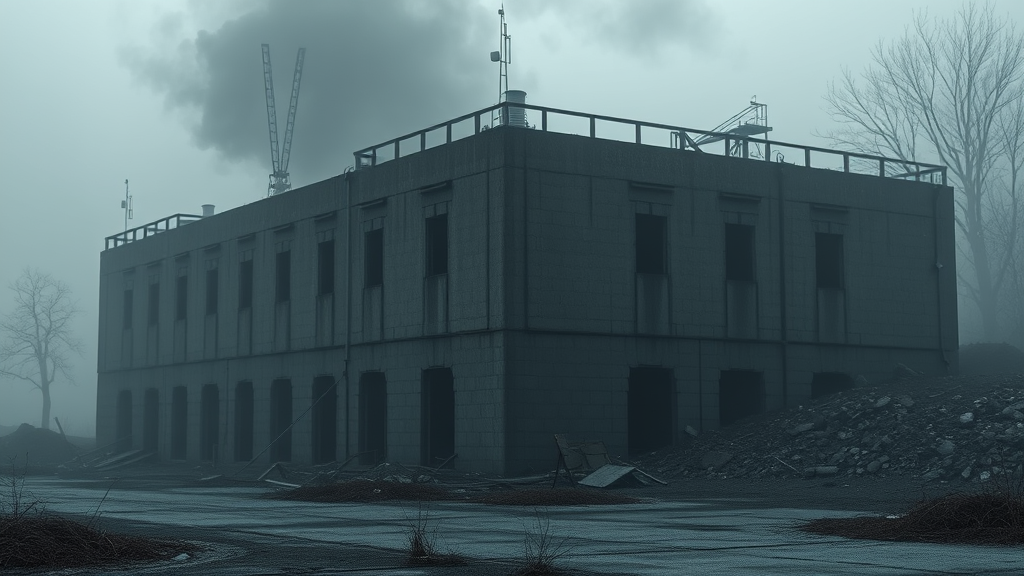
column 36, row 338
column 951, row 89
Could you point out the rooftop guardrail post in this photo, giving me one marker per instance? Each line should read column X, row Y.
column 881, row 167
column 746, row 148
column 544, row 120
column 423, row 141
column 846, row 162
column 593, row 127
column 476, row 124
column 397, row 150
column 767, row 151
column 638, row 133
column 727, row 146
column 448, row 133
column 807, row 157
column 373, row 157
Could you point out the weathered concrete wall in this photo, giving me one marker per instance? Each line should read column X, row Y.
column 541, row 314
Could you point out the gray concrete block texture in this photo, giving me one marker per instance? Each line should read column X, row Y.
column 538, row 314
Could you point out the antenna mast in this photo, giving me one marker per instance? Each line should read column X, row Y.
column 126, row 205
column 504, row 54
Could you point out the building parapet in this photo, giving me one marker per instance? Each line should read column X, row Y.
column 648, row 133
column 150, row 229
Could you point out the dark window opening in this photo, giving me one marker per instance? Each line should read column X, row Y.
column 244, row 416
column 209, row 423
column 437, row 245
column 373, row 256
column 211, row 291
column 281, row 420
column 650, row 409
column 437, row 417
column 325, row 267
column 128, row 305
column 245, row 285
column 325, row 420
column 124, row 421
column 179, row 423
column 828, row 260
column 153, row 318
column 739, row 252
column 373, row 418
column 740, row 394
column 650, row 244
column 283, row 277
column 181, row 300
column 828, row 383
column 151, row 420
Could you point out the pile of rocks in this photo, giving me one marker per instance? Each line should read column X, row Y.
column 952, row 428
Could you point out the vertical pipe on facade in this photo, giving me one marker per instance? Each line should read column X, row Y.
column 782, row 288
column 938, row 277
column 348, row 306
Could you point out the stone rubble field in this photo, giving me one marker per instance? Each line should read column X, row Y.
column 955, row 428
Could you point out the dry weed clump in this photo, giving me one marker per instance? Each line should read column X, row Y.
column 365, row 491
column 30, row 537
column 554, row 497
column 423, row 545
column 991, row 517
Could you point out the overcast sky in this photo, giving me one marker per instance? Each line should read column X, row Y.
column 170, row 96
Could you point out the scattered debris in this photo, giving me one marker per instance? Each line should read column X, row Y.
column 43, row 447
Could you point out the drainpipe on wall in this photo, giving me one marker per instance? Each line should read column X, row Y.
column 938, row 277
column 782, row 290
column 348, row 307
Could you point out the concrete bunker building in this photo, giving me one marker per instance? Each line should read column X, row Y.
column 471, row 291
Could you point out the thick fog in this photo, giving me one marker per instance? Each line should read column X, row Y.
column 170, row 96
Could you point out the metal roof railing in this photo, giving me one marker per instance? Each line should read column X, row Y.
column 146, row 230
column 649, row 133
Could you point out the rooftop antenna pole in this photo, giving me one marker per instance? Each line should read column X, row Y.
column 126, row 205
column 503, row 56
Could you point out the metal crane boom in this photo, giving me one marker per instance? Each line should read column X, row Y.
column 268, row 83
column 286, row 151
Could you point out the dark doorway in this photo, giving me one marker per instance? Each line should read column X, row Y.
column 438, row 417
column 124, row 421
column 281, row 420
column 243, row 421
column 209, row 424
column 325, row 420
column 650, row 403
column 826, row 383
column 151, row 420
column 373, row 418
column 740, row 394
column 179, row 423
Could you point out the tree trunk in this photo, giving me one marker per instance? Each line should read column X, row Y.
column 987, row 299
column 46, row 405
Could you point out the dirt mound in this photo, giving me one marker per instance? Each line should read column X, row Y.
column 991, row 358
column 947, row 428
column 983, row 518
column 38, row 446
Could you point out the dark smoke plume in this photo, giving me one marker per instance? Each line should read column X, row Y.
column 373, row 71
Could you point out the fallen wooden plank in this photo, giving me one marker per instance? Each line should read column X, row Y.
column 282, row 484
column 607, row 475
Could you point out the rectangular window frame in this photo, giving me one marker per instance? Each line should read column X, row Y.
column 373, row 258
column 283, row 276
column 436, row 245
column 829, row 261
column 651, row 237
column 325, row 267
column 740, row 253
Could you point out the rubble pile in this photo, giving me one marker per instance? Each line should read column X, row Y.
column 966, row 428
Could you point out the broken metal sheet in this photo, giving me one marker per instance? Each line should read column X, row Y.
column 607, row 475
column 282, row 484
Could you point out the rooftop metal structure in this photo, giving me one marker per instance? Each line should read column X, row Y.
column 736, row 144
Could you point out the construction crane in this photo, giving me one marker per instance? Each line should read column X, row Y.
column 279, row 178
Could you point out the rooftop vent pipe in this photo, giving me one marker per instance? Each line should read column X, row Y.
column 207, row 210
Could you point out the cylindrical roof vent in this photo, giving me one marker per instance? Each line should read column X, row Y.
column 516, row 115
column 207, row 210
